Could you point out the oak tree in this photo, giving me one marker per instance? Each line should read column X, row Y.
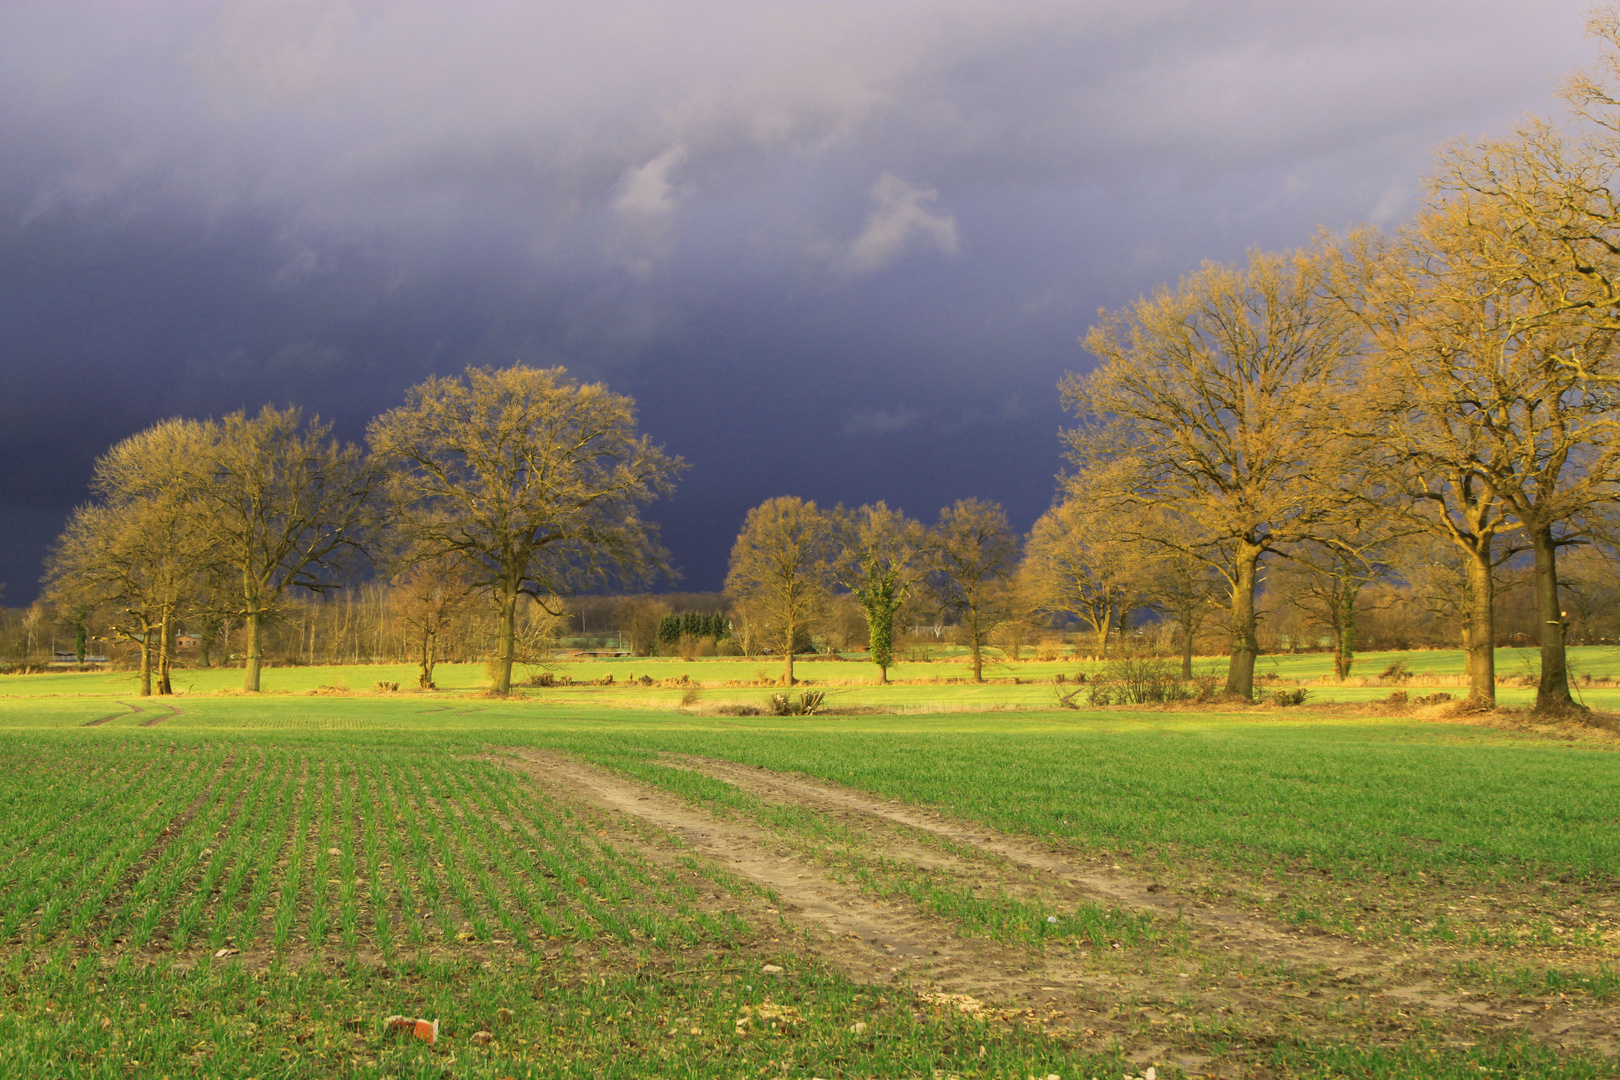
column 142, row 551
column 972, row 556
column 531, row 480
column 287, row 507
column 1483, row 400
column 1076, row 563
column 781, row 572
column 1216, row 402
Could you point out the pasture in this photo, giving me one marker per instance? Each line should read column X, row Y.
column 606, row 881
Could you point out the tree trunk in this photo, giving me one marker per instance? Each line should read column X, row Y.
column 978, row 657
column 1344, row 632
column 1553, row 693
column 1479, row 630
column 506, row 640
column 1103, row 631
column 165, row 659
column 430, row 641
column 146, row 663
column 787, row 654
column 255, row 650
column 1245, row 648
column 1186, row 647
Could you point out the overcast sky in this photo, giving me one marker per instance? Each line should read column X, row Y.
column 836, row 250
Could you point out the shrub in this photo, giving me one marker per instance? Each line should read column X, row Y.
column 1134, row 678
column 802, row 704
column 1396, row 673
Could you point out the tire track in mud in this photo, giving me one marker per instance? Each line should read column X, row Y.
column 98, row 721
column 895, row 941
column 170, row 715
column 1230, row 926
column 875, row 941
column 1363, row 968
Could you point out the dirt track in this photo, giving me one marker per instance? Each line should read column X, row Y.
column 1354, row 985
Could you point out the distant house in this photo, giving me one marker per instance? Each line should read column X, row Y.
column 187, row 641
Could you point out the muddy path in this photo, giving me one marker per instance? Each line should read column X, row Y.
column 1107, row 996
column 1223, row 926
column 1400, row 977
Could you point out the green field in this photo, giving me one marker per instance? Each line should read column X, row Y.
column 936, row 685
column 223, row 885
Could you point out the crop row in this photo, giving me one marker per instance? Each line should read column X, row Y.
column 278, row 850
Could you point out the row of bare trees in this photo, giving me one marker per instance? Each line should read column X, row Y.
column 791, row 556
column 1424, row 405
column 514, row 487
column 1453, row 380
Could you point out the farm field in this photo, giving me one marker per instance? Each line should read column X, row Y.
column 220, row 885
column 851, row 682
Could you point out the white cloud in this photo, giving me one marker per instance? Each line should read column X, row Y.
column 868, row 423
column 901, row 214
column 644, row 190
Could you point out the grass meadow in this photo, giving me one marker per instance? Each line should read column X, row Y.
column 216, row 884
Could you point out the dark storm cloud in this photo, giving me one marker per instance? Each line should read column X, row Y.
column 841, row 250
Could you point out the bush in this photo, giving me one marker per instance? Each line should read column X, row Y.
column 1138, row 679
column 802, row 704
column 1396, row 673
column 1286, row 698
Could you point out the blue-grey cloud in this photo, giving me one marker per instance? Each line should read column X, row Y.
column 758, row 218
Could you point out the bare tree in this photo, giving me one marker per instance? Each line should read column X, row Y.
column 780, row 571
column 1589, row 582
column 1216, row 402
column 286, row 507
column 533, row 480
column 972, row 555
column 1559, row 188
column 429, row 597
column 638, row 619
column 1186, row 582
column 1076, row 563
column 746, row 626
column 141, row 551
column 880, row 558
column 1483, row 400
column 1326, row 576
